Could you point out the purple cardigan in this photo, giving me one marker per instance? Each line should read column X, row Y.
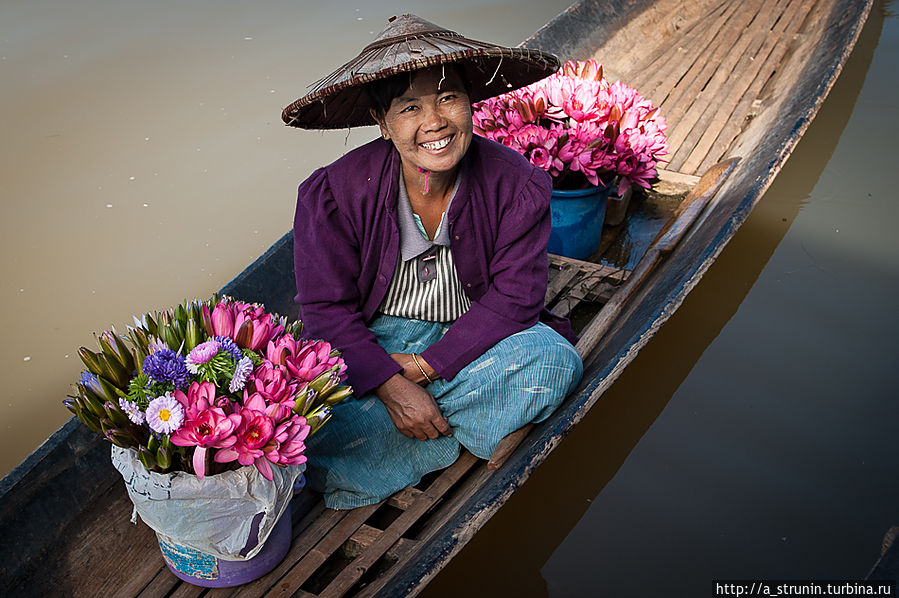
column 346, row 245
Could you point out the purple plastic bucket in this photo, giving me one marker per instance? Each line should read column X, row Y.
column 202, row 569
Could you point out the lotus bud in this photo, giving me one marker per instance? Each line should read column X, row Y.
column 117, row 439
column 180, row 314
column 169, row 336
column 164, row 458
column 116, row 415
column 139, row 338
column 121, row 352
column 93, row 404
column 151, row 325
column 338, row 395
column 207, row 321
column 304, row 400
column 196, row 310
column 323, row 382
column 140, row 354
column 90, row 359
column 244, row 334
column 193, row 337
column 317, row 419
column 73, row 405
column 147, row 458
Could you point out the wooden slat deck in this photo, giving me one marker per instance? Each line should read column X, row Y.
column 710, row 79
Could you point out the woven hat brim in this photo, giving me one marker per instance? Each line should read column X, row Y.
column 338, row 101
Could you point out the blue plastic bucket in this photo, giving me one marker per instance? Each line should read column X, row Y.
column 577, row 218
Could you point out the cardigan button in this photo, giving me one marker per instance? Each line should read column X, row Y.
column 468, row 285
column 457, row 237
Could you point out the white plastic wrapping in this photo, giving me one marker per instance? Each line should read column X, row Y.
column 213, row 515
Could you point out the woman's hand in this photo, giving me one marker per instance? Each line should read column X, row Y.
column 411, row 370
column 413, row 409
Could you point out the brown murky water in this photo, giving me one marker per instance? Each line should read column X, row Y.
column 144, row 162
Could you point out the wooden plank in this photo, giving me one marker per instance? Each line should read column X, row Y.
column 656, row 77
column 404, row 498
column 599, row 270
column 136, row 556
column 693, row 84
column 506, row 446
column 734, row 126
column 582, row 279
column 366, row 535
column 560, row 274
column 582, row 287
column 161, row 585
column 699, row 141
column 361, row 539
column 316, row 556
column 715, row 75
column 347, row 578
column 312, row 528
column 402, row 550
column 186, row 590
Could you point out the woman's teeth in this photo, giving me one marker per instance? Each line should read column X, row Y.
column 436, row 145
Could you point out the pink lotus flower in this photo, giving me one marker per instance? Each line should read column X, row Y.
column 199, row 396
column 220, row 322
column 314, row 358
column 249, row 325
column 211, row 428
column 590, row 131
column 286, row 446
column 206, row 425
column 253, row 433
column 273, row 383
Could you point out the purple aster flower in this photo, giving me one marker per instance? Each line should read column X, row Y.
column 165, row 414
column 132, row 411
column 241, row 373
column 229, row 347
column 167, row 366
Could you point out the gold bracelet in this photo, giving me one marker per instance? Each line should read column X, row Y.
column 421, row 369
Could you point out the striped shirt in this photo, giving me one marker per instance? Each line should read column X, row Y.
column 425, row 284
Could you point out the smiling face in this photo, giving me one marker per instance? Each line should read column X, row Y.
column 430, row 126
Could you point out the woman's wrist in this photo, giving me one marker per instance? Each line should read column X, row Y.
column 420, row 364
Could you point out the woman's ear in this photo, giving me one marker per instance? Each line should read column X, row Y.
column 380, row 122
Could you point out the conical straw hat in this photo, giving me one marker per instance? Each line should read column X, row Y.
column 409, row 43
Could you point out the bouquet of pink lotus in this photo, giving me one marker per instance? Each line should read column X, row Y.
column 578, row 127
column 210, row 386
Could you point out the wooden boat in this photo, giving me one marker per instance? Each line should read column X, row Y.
column 739, row 82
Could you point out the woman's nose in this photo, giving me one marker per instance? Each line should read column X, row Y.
column 434, row 119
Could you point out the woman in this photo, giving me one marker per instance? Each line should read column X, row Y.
column 422, row 257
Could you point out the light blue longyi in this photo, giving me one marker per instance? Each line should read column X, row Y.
column 359, row 457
